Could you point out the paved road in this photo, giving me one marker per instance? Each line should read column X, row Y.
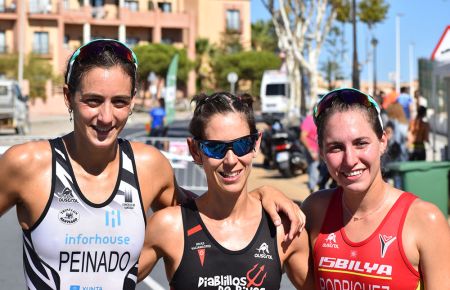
column 11, row 271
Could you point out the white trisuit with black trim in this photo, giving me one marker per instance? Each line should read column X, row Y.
column 77, row 244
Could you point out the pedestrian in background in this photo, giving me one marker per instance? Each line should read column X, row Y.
column 389, row 98
column 397, row 116
column 157, row 116
column 316, row 172
column 418, row 132
column 419, row 99
column 157, row 126
column 379, row 97
column 406, row 101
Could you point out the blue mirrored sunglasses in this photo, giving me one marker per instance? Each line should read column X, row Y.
column 348, row 96
column 218, row 149
column 96, row 46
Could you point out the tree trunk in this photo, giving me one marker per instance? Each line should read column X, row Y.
column 302, row 27
column 292, row 66
column 314, row 88
column 303, row 108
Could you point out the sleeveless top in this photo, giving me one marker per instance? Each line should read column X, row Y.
column 417, row 133
column 208, row 265
column 77, row 244
column 378, row 262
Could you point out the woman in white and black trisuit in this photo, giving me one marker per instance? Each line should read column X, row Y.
column 82, row 199
column 224, row 239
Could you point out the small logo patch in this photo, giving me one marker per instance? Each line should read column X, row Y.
column 113, row 218
column 68, row 216
column 256, row 276
column 128, row 204
column 67, row 196
column 201, row 255
column 263, row 252
column 330, row 242
column 385, row 242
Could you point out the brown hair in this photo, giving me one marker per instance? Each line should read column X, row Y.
column 395, row 111
column 106, row 58
column 207, row 106
column 340, row 105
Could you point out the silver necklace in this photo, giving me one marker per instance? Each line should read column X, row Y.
column 358, row 218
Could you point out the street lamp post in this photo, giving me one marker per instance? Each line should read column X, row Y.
column 355, row 66
column 232, row 78
column 21, row 5
column 397, row 53
column 374, row 43
column 411, row 69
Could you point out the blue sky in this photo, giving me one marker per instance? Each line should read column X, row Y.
column 421, row 25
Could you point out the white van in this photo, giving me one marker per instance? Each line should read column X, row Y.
column 13, row 107
column 274, row 93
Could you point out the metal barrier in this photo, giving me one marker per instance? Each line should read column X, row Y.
column 188, row 175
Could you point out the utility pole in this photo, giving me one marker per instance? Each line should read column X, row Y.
column 374, row 43
column 21, row 5
column 411, row 70
column 397, row 53
column 355, row 67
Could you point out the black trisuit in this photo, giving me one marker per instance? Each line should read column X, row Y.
column 207, row 265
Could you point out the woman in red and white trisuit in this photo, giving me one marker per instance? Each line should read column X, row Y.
column 366, row 234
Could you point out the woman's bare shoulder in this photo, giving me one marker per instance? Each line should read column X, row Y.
column 318, row 200
column 147, row 154
column 166, row 222
column 151, row 162
column 315, row 207
column 427, row 233
column 27, row 157
column 425, row 216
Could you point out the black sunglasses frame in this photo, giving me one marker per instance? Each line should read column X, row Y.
column 229, row 145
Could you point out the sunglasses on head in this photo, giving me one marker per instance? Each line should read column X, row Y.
column 348, row 96
column 218, row 149
column 95, row 47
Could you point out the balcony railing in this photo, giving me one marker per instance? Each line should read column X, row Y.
column 8, row 9
column 98, row 12
column 42, row 51
column 40, row 8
